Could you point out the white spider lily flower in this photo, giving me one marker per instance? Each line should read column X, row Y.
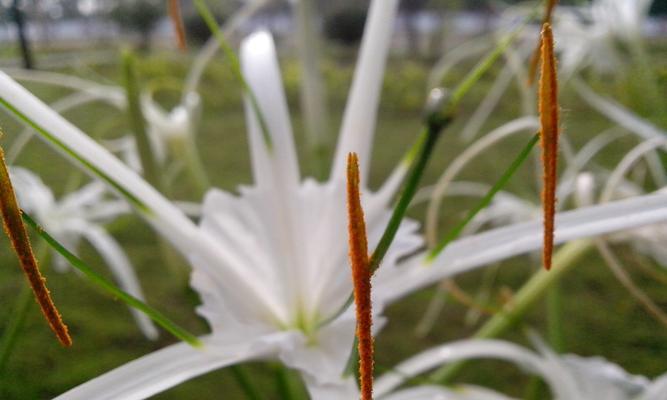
column 78, row 216
column 167, row 129
column 588, row 33
column 270, row 263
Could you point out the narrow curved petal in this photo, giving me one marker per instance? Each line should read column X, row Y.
column 121, row 268
column 346, row 388
column 155, row 373
column 358, row 127
column 471, row 349
column 498, row 244
column 617, row 113
column 441, row 393
column 262, row 73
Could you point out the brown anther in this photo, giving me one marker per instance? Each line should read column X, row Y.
column 535, row 58
column 13, row 224
column 548, row 108
column 177, row 22
column 361, row 277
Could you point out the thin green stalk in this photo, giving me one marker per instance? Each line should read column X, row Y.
column 484, row 201
column 235, row 67
column 285, row 383
column 554, row 305
column 313, row 99
column 111, row 289
column 20, row 311
column 15, row 324
column 481, row 68
column 186, row 150
column 530, row 293
column 245, row 382
column 138, row 122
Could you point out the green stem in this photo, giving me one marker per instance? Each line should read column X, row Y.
column 137, row 121
column 554, row 318
column 486, row 200
column 20, row 312
column 186, row 150
column 235, row 67
column 531, row 292
column 245, row 382
column 111, row 289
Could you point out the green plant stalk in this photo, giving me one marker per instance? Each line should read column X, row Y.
column 235, row 67
column 137, row 121
column 185, row 149
column 554, row 305
column 313, row 107
column 285, row 383
column 480, row 69
column 16, row 321
column 20, row 311
column 530, row 293
column 431, row 133
column 484, row 201
column 111, row 289
column 245, row 382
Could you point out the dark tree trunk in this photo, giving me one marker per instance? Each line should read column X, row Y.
column 24, row 44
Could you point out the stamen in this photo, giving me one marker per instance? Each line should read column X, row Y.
column 16, row 232
column 361, row 276
column 535, row 58
column 548, row 108
column 177, row 22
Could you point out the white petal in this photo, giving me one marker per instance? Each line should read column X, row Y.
column 464, row 392
column 471, row 349
column 346, row 388
column 657, row 390
column 159, row 371
column 617, row 113
column 262, row 73
column 122, row 270
column 358, row 125
column 486, row 248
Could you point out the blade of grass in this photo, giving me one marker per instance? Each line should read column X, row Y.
column 484, row 201
column 137, row 121
column 15, row 230
column 235, row 67
column 110, row 289
column 13, row 327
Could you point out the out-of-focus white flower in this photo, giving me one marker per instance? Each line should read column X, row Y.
column 569, row 377
column 172, row 128
column 589, row 34
column 79, row 216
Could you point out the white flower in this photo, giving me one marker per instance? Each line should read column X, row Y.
column 589, row 34
column 168, row 129
column 569, row 377
column 78, row 216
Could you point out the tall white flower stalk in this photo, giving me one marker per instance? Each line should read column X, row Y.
column 270, row 263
